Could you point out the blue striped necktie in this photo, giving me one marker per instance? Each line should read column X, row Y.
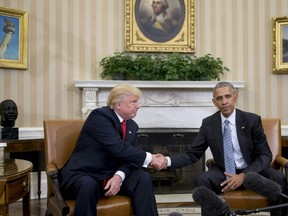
column 228, row 149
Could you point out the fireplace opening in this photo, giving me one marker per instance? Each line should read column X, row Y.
column 168, row 143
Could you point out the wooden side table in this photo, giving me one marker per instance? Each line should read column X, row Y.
column 28, row 145
column 15, row 184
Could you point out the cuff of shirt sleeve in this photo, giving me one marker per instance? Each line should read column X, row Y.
column 121, row 174
column 148, row 159
column 168, row 161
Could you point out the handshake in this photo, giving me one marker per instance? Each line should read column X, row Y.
column 158, row 162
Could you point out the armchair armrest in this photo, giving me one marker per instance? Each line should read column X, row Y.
column 52, row 172
column 51, row 167
column 284, row 163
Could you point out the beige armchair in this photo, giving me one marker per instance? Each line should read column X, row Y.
column 246, row 199
column 60, row 138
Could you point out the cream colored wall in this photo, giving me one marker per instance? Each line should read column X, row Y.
column 68, row 38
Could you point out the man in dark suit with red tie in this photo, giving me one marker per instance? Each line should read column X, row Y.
column 104, row 162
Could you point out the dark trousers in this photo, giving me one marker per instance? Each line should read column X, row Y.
column 138, row 186
column 214, row 177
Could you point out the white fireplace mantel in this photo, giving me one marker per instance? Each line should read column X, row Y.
column 164, row 104
column 152, row 84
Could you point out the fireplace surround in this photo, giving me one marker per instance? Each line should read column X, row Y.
column 165, row 104
column 169, row 119
column 169, row 143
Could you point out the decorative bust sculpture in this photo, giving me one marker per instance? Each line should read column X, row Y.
column 9, row 113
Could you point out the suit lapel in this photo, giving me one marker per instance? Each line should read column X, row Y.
column 116, row 122
column 218, row 134
column 241, row 127
column 129, row 130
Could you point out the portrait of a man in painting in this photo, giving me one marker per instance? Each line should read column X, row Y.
column 285, row 44
column 160, row 20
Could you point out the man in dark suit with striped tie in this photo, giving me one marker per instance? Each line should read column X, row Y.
column 251, row 152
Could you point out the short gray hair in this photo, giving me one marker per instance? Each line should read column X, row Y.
column 164, row 3
column 224, row 84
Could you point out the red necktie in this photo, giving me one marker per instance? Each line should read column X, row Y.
column 123, row 125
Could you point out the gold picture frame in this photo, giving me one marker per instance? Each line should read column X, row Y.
column 13, row 38
column 280, row 45
column 144, row 34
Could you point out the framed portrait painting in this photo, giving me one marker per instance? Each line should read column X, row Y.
column 160, row 25
column 280, row 45
column 13, row 38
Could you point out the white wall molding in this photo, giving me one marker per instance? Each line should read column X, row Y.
column 34, row 185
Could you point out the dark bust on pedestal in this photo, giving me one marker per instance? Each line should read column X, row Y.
column 9, row 114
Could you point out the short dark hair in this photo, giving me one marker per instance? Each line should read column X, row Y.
column 224, row 84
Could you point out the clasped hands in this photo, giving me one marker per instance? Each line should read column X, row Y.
column 158, row 162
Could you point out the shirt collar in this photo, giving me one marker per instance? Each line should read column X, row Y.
column 119, row 117
column 231, row 118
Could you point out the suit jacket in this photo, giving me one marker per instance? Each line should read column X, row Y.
column 100, row 150
column 251, row 137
